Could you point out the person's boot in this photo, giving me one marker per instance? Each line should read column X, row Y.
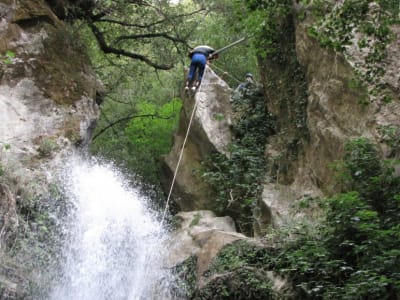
column 195, row 86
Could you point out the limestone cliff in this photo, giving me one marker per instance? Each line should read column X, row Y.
column 319, row 102
column 47, row 108
column 320, row 105
column 209, row 133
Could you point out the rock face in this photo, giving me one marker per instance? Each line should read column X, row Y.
column 200, row 234
column 203, row 234
column 334, row 113
column 47, row 107
column 198, row 240
column 209, row 133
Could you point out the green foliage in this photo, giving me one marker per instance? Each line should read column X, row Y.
column 242, row 284
column 352, row 260
column 150, row 135
column 264, row 21
column 151, row 130
column 237, row 255
column 195, row 220
column 370, row 177
column 351, row 254
column 237, row 177
column 185, row 278
column 241, row 274
column 7, row 57
column 46, row 147
column 361, row 159
column 355, row 255
column 391, row 136
column 335, row 29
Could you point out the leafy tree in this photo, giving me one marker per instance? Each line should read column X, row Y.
column 150, row 133
column 132, row 87
column 153, row 31
column 137, row 125
column 219, row 27
column 355, row 255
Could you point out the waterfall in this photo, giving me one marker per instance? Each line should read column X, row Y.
column 113, row 241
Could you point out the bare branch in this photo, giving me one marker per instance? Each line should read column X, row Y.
column 108, row 49
column 99, row 18
column 127, row 118
column 149, row 35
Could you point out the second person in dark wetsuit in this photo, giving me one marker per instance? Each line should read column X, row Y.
column 199, row 56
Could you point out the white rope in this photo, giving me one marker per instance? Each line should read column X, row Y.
column 183, row 148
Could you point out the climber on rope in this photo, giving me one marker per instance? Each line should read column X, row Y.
column 199, row 57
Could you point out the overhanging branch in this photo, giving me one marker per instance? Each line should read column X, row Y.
column 150, row 35
column 108, row 49
column 127, row 118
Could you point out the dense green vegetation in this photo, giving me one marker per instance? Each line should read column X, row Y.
column 353, row 253
column 238, row 177
column 337, row 26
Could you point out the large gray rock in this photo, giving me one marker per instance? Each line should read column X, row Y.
column 209, row 133
column 200, row 233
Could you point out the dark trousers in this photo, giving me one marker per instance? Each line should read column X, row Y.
column 198, row 64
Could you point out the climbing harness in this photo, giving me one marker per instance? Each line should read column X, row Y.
column 183, row 148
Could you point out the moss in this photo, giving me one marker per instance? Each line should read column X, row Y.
column 61, row 68
column 336, row 30
column 47, row 146
column 238, row 178
column 390, row 135
column 238, row 272
column 287, row 98
column 242, row 284
column 71, row 129
column 195, row 220
column 185, row 278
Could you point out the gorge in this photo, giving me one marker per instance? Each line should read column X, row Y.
column 279, row 189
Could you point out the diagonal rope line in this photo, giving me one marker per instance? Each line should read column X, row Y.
column 183, row 148
column 226, row 73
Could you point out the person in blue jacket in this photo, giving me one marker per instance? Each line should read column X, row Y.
column 199, row 57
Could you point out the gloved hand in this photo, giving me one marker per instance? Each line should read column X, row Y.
column 213, row 56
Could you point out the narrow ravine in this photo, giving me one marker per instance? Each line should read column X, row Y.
column 113, row 241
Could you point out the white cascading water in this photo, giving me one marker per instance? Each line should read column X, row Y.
column 114, row 244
